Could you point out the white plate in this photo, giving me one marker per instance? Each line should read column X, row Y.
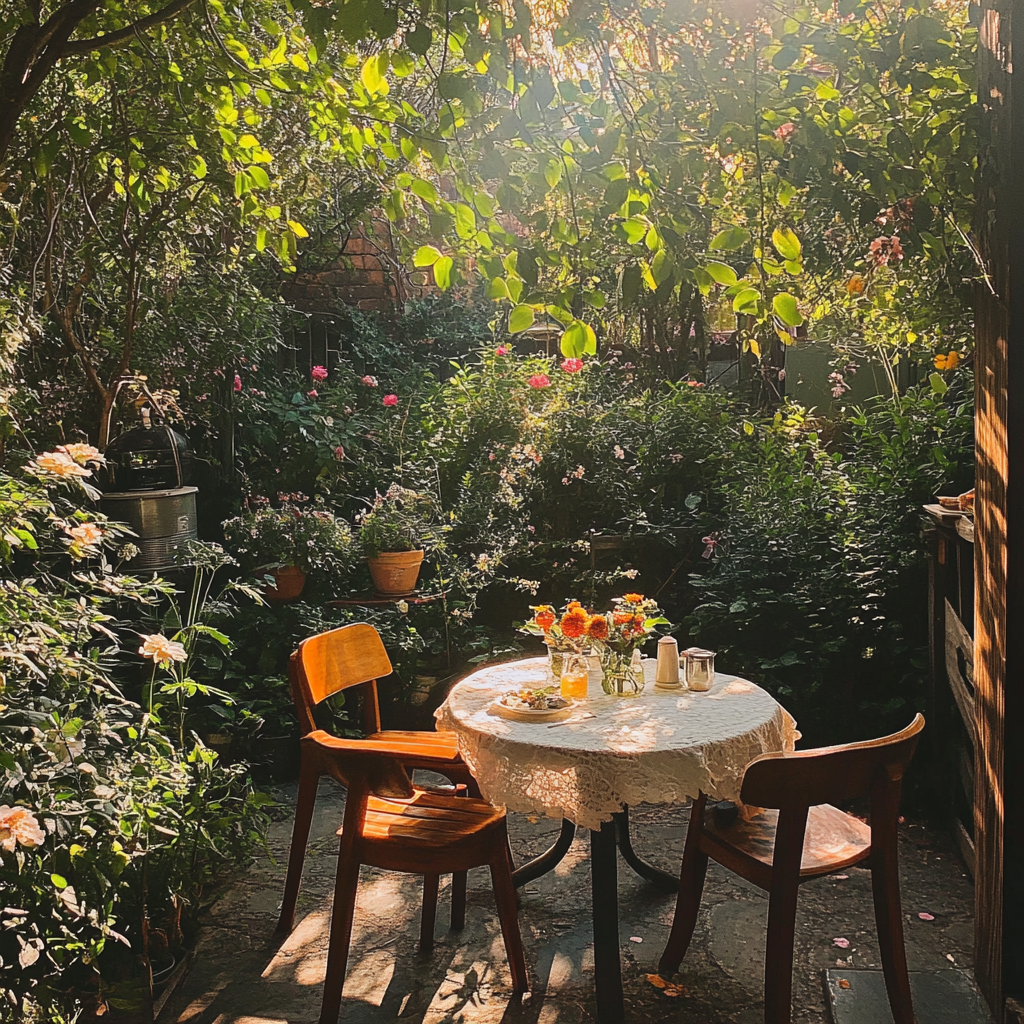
column 532, row 714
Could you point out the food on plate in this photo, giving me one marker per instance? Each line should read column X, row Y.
column 545, row 698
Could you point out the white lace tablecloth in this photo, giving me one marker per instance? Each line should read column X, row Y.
column 659, row 748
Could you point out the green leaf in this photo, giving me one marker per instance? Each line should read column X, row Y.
column 721, row 274
column 635, row 229
column 746, row 301
column 425, row 191
column 443, row 272
column 553, row 172
column 939, row 386
column 419, row 39
column 578, row 339
column 497, row 289
column 787, row 243
column 371, row 75
column 59, row 881
column 465, row 221
column 520, row 319
column 426, row 256
column 786, row 310
column 297, row 229
column 259, row 176
column 730, row 238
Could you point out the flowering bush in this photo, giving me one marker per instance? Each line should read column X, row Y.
column 109, row 829
column 296, row 532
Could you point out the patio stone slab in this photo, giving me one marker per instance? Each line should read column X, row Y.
column 239, row 978
column 940, row 997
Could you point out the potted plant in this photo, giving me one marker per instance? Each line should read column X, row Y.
column 289, row 542
column 394, row 533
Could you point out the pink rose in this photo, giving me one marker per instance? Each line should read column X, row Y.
column 238, row 383
column 339, row 453
column 572, row 365
column 784, row 131
column 370, row 382
column 539, row 380
column 390, row 400
column 318, row 373
column 312, row 394
column 501, row 350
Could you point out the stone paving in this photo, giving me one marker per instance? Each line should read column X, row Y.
column 237, row 977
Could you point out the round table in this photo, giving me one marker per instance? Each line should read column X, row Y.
column 663, row 747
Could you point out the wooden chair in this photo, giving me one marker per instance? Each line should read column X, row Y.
column 353, row 657
column 394, row 825
column 799, row 835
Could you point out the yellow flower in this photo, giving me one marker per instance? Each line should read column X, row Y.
column 81, row 453
column 19, row 825
column 856, row 285
column 60, row 464
column 947, row 362
column 86, row 533
column 158, row 648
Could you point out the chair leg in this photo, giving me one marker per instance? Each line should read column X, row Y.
column 782, row 897
column 691, row 888
column 341, row 935
column 430, row 887
column 885, row 887
column 505, row 897
column 459, row 900
column 308, row 781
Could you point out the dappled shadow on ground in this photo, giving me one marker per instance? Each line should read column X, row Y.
column 240, row 977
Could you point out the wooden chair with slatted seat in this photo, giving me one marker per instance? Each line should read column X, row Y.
column 391, row 824
column 794, row 833
column 353, row 658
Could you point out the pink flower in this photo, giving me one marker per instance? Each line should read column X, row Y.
column 238, row 383
column 539, row 380
column 884, row 249
column 339, row 453
column 19, row 825
column 370, row 382
column 390, row 399
column 572, row 365
column 784, row 131
column 318, row 373
column 695, row 383
column 312, row 394
column 501, row 350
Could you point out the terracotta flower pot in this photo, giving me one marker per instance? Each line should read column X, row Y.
column 395, row 572
column 290, row 580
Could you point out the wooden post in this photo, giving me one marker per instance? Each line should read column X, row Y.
column 999, row 537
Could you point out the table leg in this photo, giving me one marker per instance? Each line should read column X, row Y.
column 662, row 879
column 548, row 859
column 604, row 886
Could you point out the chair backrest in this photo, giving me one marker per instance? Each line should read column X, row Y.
column 831, row 775
column 323, row 665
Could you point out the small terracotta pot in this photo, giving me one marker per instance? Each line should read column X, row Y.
column 290, row 580
column 395, row 572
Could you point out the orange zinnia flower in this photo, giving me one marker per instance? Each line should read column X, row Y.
column 597, row 627
column 633, row 598
column 574, row 623
column 572, row 606
column 621, row 618
column 545, row 618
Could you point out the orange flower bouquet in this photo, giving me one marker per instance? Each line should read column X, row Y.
column 575, row 631
column 628, row 626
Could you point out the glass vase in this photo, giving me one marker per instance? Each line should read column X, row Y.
column 619, row 677
column 557, row 658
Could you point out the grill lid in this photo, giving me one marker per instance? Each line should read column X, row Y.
column 150, row 456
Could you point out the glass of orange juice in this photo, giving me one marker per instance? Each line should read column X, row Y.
column 575, row 676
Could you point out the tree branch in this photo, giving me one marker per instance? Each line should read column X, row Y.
column 129, row 32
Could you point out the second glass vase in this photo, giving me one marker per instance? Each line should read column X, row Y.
column 619, row 676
